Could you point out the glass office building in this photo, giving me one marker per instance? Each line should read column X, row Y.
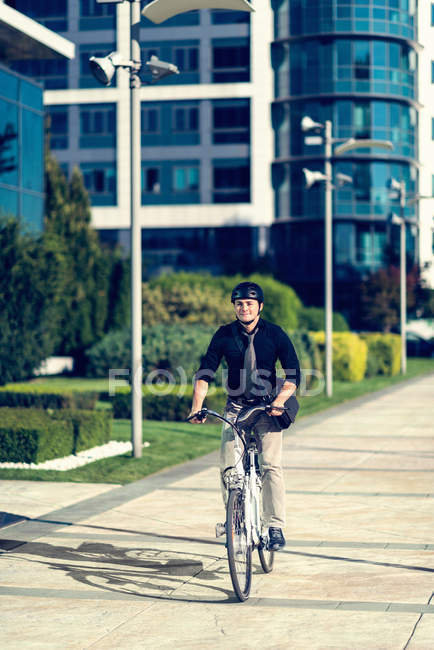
column 354, row 63
column 21, row 148
column 203, row 155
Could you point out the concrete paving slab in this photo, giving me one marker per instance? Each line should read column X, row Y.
column 35, row 498
column 138, row 566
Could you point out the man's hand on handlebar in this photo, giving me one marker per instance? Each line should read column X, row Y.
column 197, row 418
column 276, row 408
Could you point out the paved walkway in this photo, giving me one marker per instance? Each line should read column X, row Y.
column 107, row 567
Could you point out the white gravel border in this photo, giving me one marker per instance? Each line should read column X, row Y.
column 113, row 448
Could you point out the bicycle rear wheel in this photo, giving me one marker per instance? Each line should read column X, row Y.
column 266, row 557
column 239, row 551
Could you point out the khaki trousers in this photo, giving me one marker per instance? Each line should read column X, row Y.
column 270, row 462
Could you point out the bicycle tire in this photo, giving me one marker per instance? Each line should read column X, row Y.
column 266, row 557
column 239, row 552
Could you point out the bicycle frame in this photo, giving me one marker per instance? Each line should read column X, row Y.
column 244, row 525
column 245, row 476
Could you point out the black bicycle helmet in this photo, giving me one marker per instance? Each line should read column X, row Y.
column 245, row 290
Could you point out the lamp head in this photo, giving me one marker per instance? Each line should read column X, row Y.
column 307, row 124
column 395, row 220
column 394, row 184
column 343, row 179
column 160, row 69
column 104, row 68
column 313, row 177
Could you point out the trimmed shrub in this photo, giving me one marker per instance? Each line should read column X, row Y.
column 91, row 428
column 282, row 305
column 33, row 436
column 349, row 355
column 384, row 353
column 165, row 407
column 37, row 398
column 165, row 347
column 308, row 353
column 312, row 319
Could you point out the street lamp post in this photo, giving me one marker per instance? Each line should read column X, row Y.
column 135, row 233
column 307, row 124
column 103, row 69
column 403, row 277
column 328, row 258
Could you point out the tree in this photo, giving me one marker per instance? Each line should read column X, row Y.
column 87, row 293
column 31, row 280
column 380, row 298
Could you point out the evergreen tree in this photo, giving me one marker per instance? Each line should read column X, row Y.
column 94, row 298
column 31, row 282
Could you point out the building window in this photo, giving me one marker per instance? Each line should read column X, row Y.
column 95, row 15
column 186, row 58
column 231, row 121
column 222, row 17
column 52, row 15
column 231, row 181
column 432, row 72
column 51, row 73
column 186, row 179
column 97, row 125
column 58, row 126
column 231, row 60
column 362, row 59
column 151, row 180
column 185, row 119
column 100, row 181
column 150, row 120
column 370, row 245
column 432, row 14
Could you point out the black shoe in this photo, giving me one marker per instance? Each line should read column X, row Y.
column 276, row 540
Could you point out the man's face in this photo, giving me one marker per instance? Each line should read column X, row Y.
column 247, row 310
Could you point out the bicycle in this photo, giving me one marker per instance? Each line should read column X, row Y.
column 244, row 527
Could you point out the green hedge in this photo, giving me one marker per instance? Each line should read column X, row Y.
column 165, row 347
column 16, row 397
column 33, row 435
column 349, row 355
column 384, row 353
column 172, row 407
column 308, row 353
column 91, row 428
column 312, row 318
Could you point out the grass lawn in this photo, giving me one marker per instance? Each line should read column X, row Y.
column 176, row 442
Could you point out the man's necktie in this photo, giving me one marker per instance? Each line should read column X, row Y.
column 250, row 364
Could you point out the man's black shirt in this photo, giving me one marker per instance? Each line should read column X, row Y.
column 271, row 343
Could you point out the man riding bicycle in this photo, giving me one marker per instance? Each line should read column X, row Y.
column 251, row 347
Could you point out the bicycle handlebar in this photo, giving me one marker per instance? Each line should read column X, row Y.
column 242, row 416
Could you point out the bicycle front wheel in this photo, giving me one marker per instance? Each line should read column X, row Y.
column 239, row 551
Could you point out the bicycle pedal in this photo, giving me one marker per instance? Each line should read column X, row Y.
column 220, row 530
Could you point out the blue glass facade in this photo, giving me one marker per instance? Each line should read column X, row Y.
column 21, row 149
column 353, row 63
